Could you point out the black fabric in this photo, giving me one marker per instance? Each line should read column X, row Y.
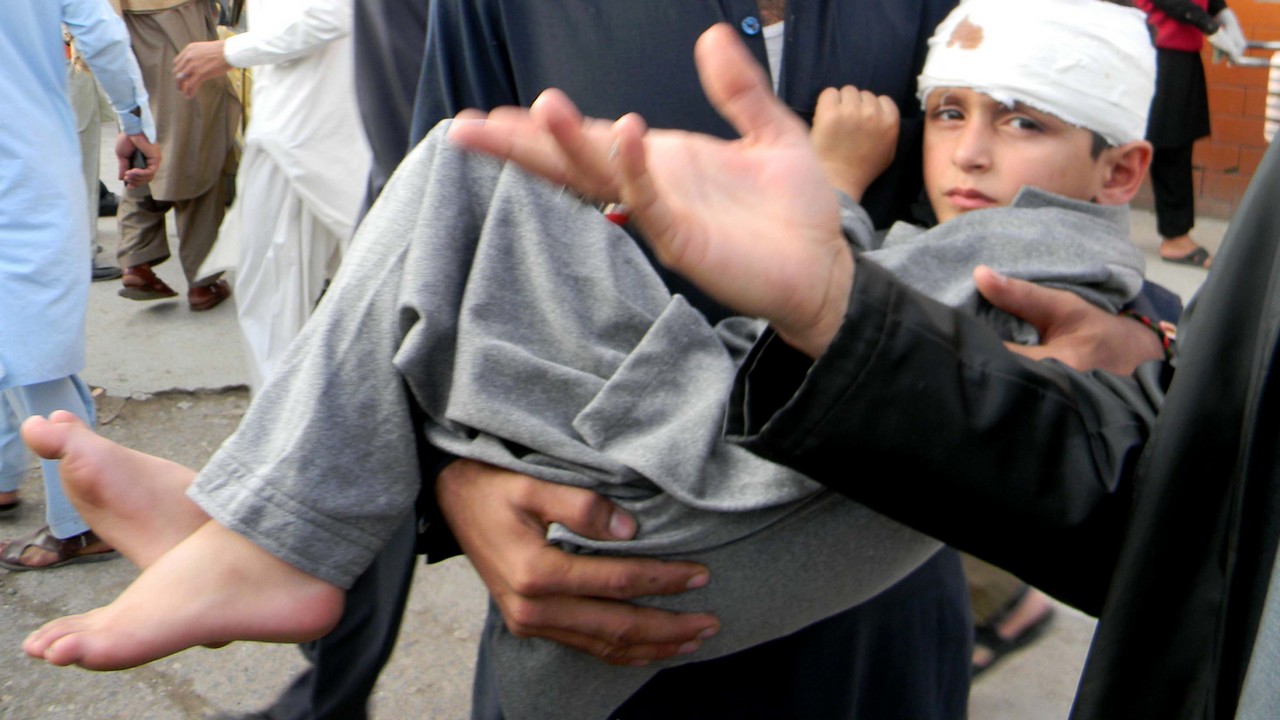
column 486, row 53
column 389, row 36
column 1167, row 527
column 1174, row 188
column 1157, row 303
column 904, row 368
column 346, row 663
column 831, row 669
column 1180, row 108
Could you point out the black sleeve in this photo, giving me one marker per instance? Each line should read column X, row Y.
column 434, row 538
column 922, row 414
column 466, row 64
column 1192, row 14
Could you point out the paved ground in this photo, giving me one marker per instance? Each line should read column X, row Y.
column 174, row 387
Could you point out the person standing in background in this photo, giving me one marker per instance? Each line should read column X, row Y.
column 91, row 110
column 616, row 58
column 297, row 204
column 198, row 138
column 44, row 259
column 344, row 665
column 1180, row 111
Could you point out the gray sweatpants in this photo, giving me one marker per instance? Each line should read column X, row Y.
column 534, row 335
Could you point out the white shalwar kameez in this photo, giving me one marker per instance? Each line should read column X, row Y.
column 303, row 174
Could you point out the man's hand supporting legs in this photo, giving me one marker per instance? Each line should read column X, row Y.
column 500, row 519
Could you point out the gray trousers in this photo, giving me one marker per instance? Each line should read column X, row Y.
column 534, row 335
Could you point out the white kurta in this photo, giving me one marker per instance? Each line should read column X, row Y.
column 44, row 223
column 304, row 171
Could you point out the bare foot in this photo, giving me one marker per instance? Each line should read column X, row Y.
column 212, row 588
column 1019, row 626
column 134, row 501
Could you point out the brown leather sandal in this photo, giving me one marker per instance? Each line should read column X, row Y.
column 207, row 297
column 140, row 283
column 86, row 547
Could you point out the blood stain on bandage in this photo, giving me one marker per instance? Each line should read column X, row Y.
column 967, row 35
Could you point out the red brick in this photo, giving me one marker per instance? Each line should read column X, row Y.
column 1250, row 158
column 1235, row 130
column 1253, row 12
column 1255, row 101
column 1228, row 188
column 1224, row 74
column 1228, row 99
column 1215, row 156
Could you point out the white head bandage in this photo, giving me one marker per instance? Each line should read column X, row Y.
column 1088, row 62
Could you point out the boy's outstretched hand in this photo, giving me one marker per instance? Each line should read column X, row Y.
column 753, row 222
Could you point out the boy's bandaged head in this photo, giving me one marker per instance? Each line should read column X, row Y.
column 1088, row 62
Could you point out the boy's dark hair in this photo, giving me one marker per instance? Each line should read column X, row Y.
column 1099, row 144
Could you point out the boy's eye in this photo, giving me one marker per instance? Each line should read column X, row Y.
column 1021, row 122
column 946, row 113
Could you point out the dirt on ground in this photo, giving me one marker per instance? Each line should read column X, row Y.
column 185, row 427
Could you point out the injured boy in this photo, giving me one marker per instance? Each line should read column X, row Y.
column 525, row 330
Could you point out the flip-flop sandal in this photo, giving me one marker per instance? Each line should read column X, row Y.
column 68, row 552
column 140, row 283
column 207, row 297
column 1198, row 258
column 985, row 636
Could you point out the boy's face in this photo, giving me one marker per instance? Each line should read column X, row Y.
column 978, row 153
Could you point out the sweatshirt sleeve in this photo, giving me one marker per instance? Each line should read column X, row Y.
column 921, row 413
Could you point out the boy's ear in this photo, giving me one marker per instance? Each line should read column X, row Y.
column 1124, row 167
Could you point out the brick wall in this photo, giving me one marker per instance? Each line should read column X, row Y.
column 1225, row 161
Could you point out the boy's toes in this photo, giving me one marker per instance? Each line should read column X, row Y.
column 66, row 417
column 48, row 437
column 38, row 642
column 65, row 650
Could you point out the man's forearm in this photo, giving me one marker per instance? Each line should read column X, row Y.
column 922, row 414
